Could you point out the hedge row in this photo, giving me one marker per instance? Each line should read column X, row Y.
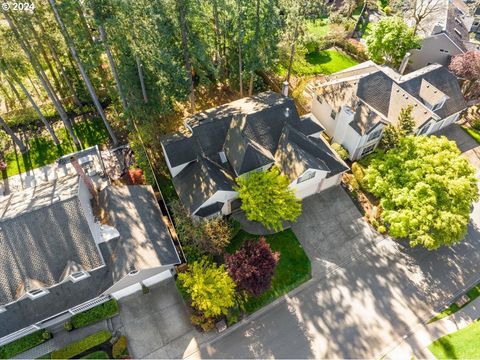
column 23, row 344
column 81, row 346
column 93, row 315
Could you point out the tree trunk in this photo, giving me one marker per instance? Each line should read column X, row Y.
column 186, row 55
column 218, row 57
column 292, row 53
column 14, row 137
column 142, row 81
column 65, row 77
column 16, row 93
column 85, row 77
column 240, row 41
column 257, row 34
column 43, row 79
column 84, row 22
column 46, row 58
column 33, row 86
column 113, row 68
column 34, row 105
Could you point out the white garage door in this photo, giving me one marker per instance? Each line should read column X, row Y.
column 331, row 181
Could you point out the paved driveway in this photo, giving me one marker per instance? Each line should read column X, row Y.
column 332, row 230
column 157, row 324
column 378, row 291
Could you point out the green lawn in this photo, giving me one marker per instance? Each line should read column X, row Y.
column 43, row 151
column 473, row 133
column 293, row 268
column 320, row 62
column 318, row 27
column 463, row 344
column 473, row 293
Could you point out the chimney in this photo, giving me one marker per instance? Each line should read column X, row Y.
column 85, row 178
column 285, row 88
column 404, row 63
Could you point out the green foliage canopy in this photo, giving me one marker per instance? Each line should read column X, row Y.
column 210, row 287
column 390, row 40
column 266, row 198
column 426, row 190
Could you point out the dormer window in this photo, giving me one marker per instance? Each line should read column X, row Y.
column 306, row 176
column 375, row 134
column 79, row 275
column 36, row 293
column 438, row 106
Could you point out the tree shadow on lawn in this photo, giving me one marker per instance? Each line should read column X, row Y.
column 318, row 57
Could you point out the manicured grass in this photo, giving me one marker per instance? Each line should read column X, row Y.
column 473, row 293
column 93, row 315
column 43, row 151
column 20, row 345
column 79, row 347
column 321, row 62
column 473, row 133
column 293, row 268
column 318, row 27
column 96, row 355
column 463, row 344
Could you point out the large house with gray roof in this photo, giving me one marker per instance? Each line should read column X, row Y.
column 250, row 134
column 356, row 104
column 445, row 33
column 59, row 257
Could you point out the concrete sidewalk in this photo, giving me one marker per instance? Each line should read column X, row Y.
column 417, row 343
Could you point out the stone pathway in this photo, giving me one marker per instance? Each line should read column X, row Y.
column 61, row 339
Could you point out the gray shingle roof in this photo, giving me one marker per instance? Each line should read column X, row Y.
column 36, row 246
column 248, row 131
column 179, row 149
column 144, row 241
column 199, row 181
column 375, row 90
column 297, row 153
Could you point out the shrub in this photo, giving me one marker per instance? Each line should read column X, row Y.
column 79, row 347
column 208, row 236
column 252, row 266
column 68, row 326
column 341, row 151
column 217, row 234
column 358, row 172
column 205, row 323
column 382, row 229
column 46, row 335
column 93, row 315
column 20, row 345
column 209, row 286
column 476, row 124
column 120, row 349
column 387, row 10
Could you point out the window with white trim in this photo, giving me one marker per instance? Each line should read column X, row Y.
column 438, row 106
column 79, row 275
column 306, row 176
column 375, row 134
column 319, row 99
column 36, row 293
column 457, row 32
column 368, row 149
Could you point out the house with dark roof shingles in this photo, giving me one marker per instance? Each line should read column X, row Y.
column 58, row 259
column 356, row 104
column 445, row 33
column 250, row 134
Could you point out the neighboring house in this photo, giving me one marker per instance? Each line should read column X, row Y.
column 62, row 253
column 250, row 134
column 356, row 104
column 445, row 33
column 476, row 21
